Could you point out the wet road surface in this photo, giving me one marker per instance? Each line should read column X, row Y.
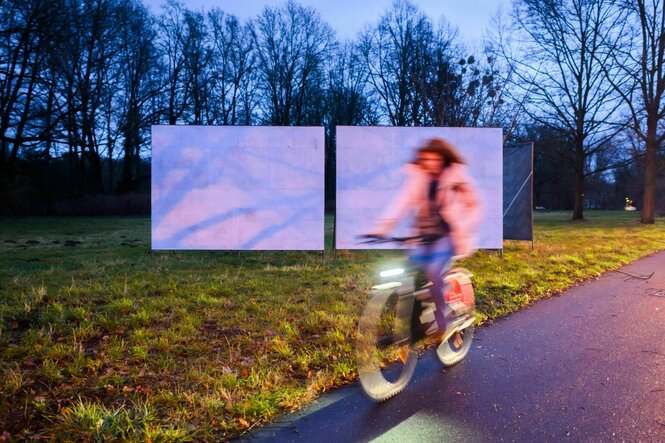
column 588, row 365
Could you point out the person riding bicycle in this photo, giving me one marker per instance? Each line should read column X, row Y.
column 444, row 200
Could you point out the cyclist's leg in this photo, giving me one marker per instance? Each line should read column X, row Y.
column 441, row 253
column 418, row 260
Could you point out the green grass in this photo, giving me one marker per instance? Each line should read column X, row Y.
column 107, row 340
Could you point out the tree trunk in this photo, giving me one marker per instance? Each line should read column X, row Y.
column 129, row 160
column 578, row 209
column 96, row 166
column 4, row 167
column 649, row 172
column 3, row 154
column 49, row 114
column 89, row 153
column 82, row 189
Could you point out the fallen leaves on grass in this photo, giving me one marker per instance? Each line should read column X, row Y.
column 211, row 337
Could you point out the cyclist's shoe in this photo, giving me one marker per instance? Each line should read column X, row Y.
column 456, row 323
column 435, row 332
column 404, row 354
column 439, row 335
column 457, row 339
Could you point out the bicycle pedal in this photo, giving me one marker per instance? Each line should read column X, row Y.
column 463, row 322
column 385, row 341
column 389, row 340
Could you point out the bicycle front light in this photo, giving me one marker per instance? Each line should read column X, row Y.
column 391, row 272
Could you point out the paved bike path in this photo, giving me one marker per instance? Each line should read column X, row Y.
column 588, row 365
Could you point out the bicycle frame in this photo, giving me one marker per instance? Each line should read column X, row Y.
column 414, row 306
column 398, row 314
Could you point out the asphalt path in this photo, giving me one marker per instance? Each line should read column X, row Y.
column 587, row 365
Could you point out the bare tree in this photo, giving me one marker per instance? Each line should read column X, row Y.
column 233, row 63
column 424, row 76
column 644, row 91
column 347, row 103
column 564, row 67
column 347, row 99
column 88, row 65
column 171, row 44
column 504, row 103
column 438, row 76
column 138, row 59
column 26, row 32
column 196, row 55
column 452, row 87
column 292, row 44
column 393, row 50
column 496, row 103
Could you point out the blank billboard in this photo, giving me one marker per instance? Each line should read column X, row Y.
column 370, row 163
column 237, row 187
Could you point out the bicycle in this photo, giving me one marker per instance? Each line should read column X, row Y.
column 398, row 316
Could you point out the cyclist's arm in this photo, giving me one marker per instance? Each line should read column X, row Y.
column 462, row 210
column 398, row 208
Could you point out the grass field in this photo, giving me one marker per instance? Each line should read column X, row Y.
column 102, row 339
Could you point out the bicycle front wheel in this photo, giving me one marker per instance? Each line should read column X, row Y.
column 456, row 347
column 385, row 355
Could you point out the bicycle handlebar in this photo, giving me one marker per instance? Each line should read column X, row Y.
column 369, row 239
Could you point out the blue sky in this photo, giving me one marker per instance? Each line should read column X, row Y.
column 348, row 17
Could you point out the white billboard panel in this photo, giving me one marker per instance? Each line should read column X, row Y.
column 370, row 172
column 237, row 187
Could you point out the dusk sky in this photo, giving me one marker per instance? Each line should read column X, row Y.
column 348, row 17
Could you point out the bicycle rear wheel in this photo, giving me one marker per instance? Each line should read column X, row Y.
column 385, row 355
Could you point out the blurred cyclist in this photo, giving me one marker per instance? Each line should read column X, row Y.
column 445, row 203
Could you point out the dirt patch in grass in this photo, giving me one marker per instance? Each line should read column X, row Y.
column 212, row 329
